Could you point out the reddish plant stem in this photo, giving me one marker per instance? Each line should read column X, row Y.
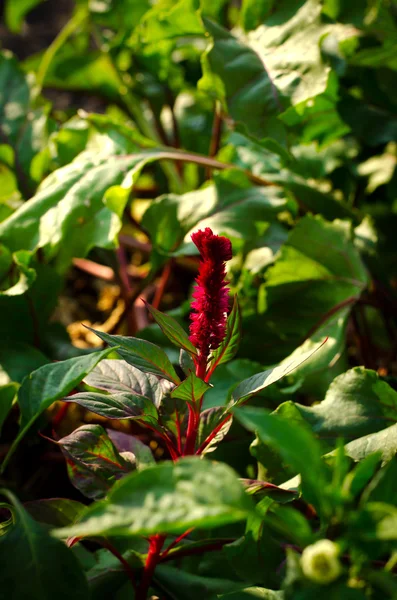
column 210, row 547
column 155, row 545
column 129, row 572
column 125, row 287
column 175, row 542
column 191, row 433
column 165, row 276
column 178, row 429
column 213, row 434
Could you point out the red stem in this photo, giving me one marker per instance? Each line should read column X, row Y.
column 175, row 542
column 155, row 544
column 213, row 434
column 191, row 433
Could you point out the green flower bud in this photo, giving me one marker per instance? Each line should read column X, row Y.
column 320, row 562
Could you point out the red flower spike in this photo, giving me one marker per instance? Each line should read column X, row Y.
column 208, row 326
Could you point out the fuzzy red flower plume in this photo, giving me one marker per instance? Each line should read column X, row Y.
column 208, row 325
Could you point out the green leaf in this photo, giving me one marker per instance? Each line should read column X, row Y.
column 357, row 403
column 231, row 206
column 235, row 73
column 7, row 395
column 175, row 582
column 230, row 343
column 297, row 446
column 167, row 498
column 253, row 12
column 141, row 354
column 209, row 420
column 46, row 385
column 114, row 375
column 22, row 275
column 170, row 20
column 250, row 593
column 15, row 13
column 288, row 43
column 54, row 512
column 319, row 273
column 35, row 564
column 257, row 383
column 18, row 360
column 191, row 389
column 93, row 462
column 171, row 328
column 384, row 441
column 117, row 405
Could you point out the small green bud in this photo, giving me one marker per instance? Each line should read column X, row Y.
column 320, row 562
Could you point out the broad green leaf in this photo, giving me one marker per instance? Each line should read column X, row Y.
column 15, row 13
column 235, row 74
column 118, row 376
column 117, row 405
column 93, row 462
column 290, row 49
column 191, row 389
column 35, row 564
column 257, row 383
column 279, row 170
column 7, row 395
column 384, row 441
column 75, row 203
column 297, row 446
column 357, row 403
column 256, row 555
column 171, row 328
column 54, row 512
column 46, row 385
column 231, row 205
column 167, row 498
column 176, row 582
column 141, row 354
column 230, row 343
column 318, row 272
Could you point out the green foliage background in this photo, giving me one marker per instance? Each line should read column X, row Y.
column 273, row 123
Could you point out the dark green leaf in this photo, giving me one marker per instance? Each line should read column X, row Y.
column 48, row 384
column 117, row 405
column 357, row 403
column 257, row 383
column 35, row 564
column 7, row 395
column 191, row 389
column 168, row 498
column 230, row 343
column 296, row 445
column 141, row 354
column 54, row 512
column 171, row 328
